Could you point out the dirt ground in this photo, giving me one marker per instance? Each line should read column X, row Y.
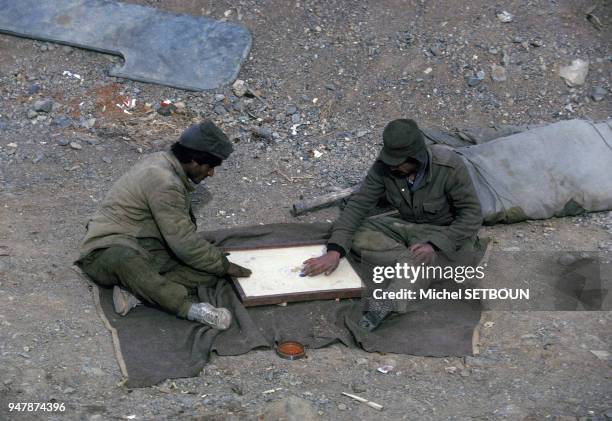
column 340, row 70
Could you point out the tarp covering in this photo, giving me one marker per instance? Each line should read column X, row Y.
column 179, row 50
column 557, row 170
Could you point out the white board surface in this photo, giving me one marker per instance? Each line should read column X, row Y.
column 277, row 271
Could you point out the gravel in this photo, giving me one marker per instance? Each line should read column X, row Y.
column 374, row 58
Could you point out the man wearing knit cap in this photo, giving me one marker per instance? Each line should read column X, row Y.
column 143, row 239
column 439, row 214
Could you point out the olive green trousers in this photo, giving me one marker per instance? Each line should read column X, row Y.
column 384, row 241
column 157, row 278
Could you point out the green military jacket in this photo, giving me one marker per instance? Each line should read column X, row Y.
column 151, row 204
column 445, row 197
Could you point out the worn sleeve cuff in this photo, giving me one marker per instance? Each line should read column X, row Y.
column 436, row 248
column 336, row 247
column 443, row 243
column 224, row 265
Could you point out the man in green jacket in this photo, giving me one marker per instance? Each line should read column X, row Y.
column 143, row 239
column 439, row 214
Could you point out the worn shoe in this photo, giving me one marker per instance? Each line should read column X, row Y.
column 375, row 312
column 124, row 301
column 372, row 319
column 218, row 318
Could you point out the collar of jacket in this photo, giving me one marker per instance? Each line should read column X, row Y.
column 428, row 172
column 178, row 169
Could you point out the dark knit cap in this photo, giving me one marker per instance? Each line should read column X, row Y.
column 402, row 139
column 207, row 137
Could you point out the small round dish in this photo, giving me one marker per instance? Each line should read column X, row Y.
column 290, row 350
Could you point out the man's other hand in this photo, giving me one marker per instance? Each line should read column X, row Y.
column 324, row 264
column 237, row 271
column 423, row 253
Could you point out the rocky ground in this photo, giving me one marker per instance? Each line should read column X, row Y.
column 321, row 81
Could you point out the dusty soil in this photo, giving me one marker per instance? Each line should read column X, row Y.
column 364, row 63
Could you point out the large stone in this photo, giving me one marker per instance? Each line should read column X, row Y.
column 239, row 87
column 263, row 132
column 43, row 105
column 33, row 88
column 510, row 412
column 290, row 408
column 567, row 259
column 575, row 74
column 89, row 123
column 473, row 81
column 598, row 93
column 498, row 73
column 504, row 16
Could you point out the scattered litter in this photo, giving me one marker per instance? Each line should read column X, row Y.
column 450, row 370
column 317, row 154
column 489, row 324
column 72, row 75
column 593, row 19
column 127, row 105
column 505, row 17
column 131, row 417
column 385, row 369
column 12, row 145
column 428, row 70
column 267, row 392
column 292, row 178
column 371, row 404
column 602, row 355
column 294, row 131
column 166, row 107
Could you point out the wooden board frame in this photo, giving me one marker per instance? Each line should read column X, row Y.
column 291, row 297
